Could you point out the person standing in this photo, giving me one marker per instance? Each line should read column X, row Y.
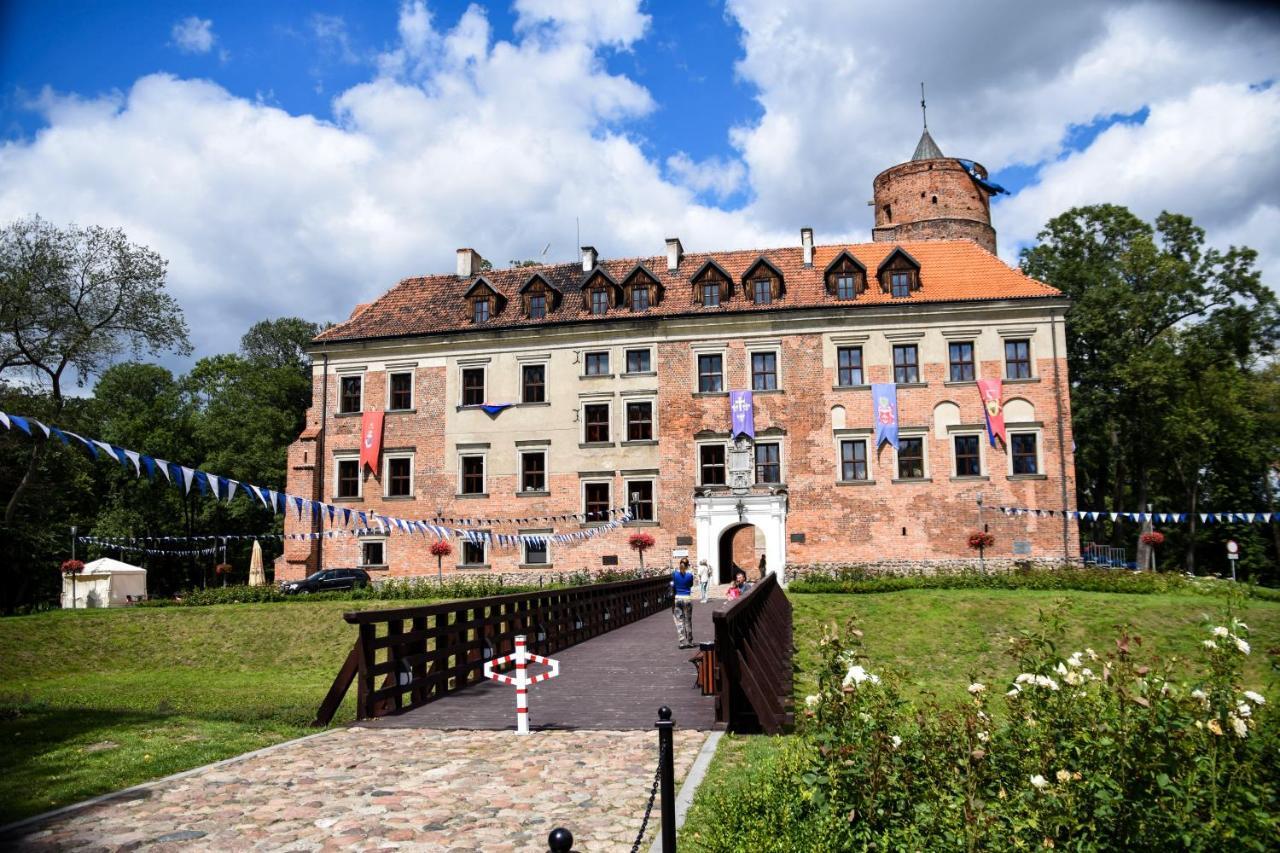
column 682, row 607
column 704, row 578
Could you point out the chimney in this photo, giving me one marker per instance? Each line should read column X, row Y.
column 468, row 263
column 589, row 256
column 806, row 240
column 675, row 252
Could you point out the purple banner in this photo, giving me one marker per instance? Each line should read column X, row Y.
column 884, row 404
column 743, row 409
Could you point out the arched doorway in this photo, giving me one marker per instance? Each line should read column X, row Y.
column 741, row 545
column 718, row 517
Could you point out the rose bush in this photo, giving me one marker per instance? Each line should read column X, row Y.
column 1082, row 750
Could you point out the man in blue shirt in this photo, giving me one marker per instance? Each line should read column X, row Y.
column 682, row 584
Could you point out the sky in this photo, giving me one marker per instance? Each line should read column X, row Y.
column 292, row 159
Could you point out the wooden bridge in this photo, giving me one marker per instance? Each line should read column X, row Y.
column 616, row 642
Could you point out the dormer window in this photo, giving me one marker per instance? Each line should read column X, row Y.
column 599, row 301
column 762, row 291
column 710, row 295
column 846, row 277
column 711, row 285
column 899, row 274
column 763, row 282
column 539, row 297
column 483, row 301
column 900, row 285
column 537, row 306
column 481, row 309
column 640, row 297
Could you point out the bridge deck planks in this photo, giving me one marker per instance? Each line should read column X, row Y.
column 615, row 681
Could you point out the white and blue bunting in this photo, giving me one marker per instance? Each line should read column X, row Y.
column 1143, row 517
column 225, row 488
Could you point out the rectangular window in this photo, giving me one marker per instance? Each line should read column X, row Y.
column 399, row 476
column 473, row 475
column 599, row 301
column 906, row 364
column 596, row 500
column 899, row 284
column 853, row 459
column 533, row 383
column 1017, row 359
column 1025, row 458
column 764, row 371
column 473, row 386
column 537, row 306
column 472, row 553
column 597, row 363
column 401, row 392
column 640, row 297
column 533, row 471
column 768, row 463
column 849, row 366
column 968, row 464
column 640, row 499
column 846, row 287
column 480, row 311
column 961, row 358
column 640, row 421
column 763, row 291
column 535, row 551
column 373, row 554
column 349, row 394
column 711, row 464
column 910, row 458
column 348, row 478
column 596, row 418
column 710, row 373
column 638, row 361
column 710, row 295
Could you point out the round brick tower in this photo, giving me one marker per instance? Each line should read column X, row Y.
column 932, row 197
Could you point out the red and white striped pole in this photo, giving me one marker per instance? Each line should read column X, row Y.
column 521, row 679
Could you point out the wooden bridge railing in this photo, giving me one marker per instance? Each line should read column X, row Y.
column 422, row 653
column 753, row 654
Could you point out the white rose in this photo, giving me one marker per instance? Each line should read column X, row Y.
column 1209, row 644
column 1220, row 631
column 983, row 737
column 1238, row 725
column 1039, row 781
column 1242, row 645
column 977, row 687
column 811, row 700
column 1255, row 698
column 1024, row 678
column 897, row 741
column 1091, row 653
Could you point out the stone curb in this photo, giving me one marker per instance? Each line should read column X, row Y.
column 692, row 779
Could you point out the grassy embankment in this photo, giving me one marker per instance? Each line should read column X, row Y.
column 935, row 641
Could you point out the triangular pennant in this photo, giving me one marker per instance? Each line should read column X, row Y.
column 20, row 423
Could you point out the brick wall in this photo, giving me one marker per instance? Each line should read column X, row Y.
column 931, row 200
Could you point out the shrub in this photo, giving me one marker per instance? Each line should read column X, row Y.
column 1088, row 751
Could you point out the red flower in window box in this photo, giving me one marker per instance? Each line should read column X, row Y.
column 640, row 542
column 1155, row 537
column 980, row 541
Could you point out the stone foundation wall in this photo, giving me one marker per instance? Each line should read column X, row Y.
column 909, row 568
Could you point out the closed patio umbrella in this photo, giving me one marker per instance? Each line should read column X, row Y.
column 257, row 577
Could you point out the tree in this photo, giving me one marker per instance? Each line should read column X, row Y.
column 71, row 302
column 280, row 343
column 1162, row 334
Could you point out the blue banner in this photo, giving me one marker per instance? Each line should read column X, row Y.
column 884, row 406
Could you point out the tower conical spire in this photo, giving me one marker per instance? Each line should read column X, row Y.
column 926, row 148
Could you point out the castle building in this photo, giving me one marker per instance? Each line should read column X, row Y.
column 539, row 401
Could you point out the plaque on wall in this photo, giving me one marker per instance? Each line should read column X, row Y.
column 609, row 560
column 680, row 552
column 797, row 537
column 1022, row 547
column 684, row 540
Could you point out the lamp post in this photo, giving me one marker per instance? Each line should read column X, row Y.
column 73, row 557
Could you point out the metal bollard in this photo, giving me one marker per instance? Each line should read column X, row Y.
column 667, row 776
column 560, row 840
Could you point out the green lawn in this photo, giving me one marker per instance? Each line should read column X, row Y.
column 96, row 700
column 935, row 640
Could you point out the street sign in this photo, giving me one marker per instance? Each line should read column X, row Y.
column 1233, row 554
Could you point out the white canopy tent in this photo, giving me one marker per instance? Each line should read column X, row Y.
column 105, row 583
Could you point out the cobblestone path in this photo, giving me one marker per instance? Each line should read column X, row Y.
column 388, row 789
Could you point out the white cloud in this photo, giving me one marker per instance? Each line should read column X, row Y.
column 193, row 35
column 459, row 139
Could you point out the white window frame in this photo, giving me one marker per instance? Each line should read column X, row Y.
column 374, row 540
column 862, row 364
column 484, row 457
column 1008, row 335
column 923, row 435
column 653, row 419
column 608, row 355
column 977, row 362
column 782, row 462
column 866, row 438
column 626, row 358
column 387, row 456
column 345, row 456
column 765, row 349
column 413, row 391
column 653, row 485
column 723, row 352
column 524, row 548
column 546, row 382
column 342, row 377
column 582, row 498
column 698, row 445
column 982, row 453
column 1038, row 432
column 607, row 402
column 521, row 452
column 484, row 552
column 463, row 367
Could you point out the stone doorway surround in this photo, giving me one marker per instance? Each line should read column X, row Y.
column 713, row 515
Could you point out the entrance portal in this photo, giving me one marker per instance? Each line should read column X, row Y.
column 760, row 521
column 743, row 546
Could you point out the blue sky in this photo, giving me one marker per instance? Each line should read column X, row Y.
column 289, row 158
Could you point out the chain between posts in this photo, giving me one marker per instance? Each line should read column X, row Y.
column 648, row 809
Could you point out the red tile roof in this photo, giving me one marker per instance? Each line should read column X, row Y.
column 950, row 271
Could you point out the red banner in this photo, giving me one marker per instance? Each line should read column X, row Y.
column 990, row 391
column 370, row 440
